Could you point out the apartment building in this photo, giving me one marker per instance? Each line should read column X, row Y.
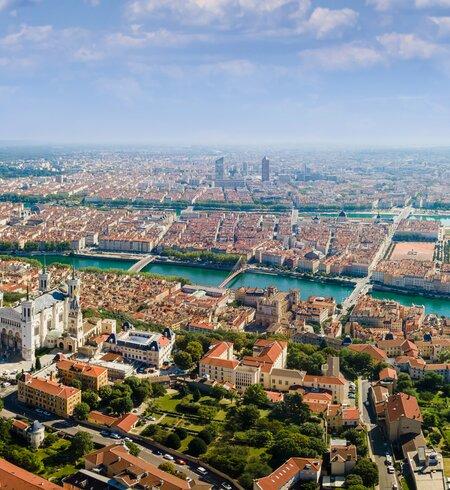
column 91, row 377
column 266, row 365
column 131, row 471
column 149, row 348
column 398, row 347
column 342, row 459
column 291, row 474
column 402, row 416
column 48, row 395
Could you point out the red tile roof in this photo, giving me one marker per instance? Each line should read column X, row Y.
column 286, row 472
column 403, row 405
column 14, row 478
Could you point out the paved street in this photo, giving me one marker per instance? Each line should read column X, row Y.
column 378, row 443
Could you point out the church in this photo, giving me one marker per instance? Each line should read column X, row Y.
column 52, row 318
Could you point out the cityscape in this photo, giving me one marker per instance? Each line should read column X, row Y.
column 224, row 245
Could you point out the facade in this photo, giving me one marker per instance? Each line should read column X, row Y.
column 91, row 377
column 266, row 365
column 291, row 474
column 219, row 169
column 265, row 170
column 53, row 318
column 149, row 348
column 34, row 433
column 48, row 395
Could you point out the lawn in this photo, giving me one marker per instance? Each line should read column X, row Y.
column 447, row 466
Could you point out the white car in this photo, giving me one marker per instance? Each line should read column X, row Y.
column 391, row 469
column 168, row 457
column 202, row 470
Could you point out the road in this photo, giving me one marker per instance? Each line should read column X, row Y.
column 363, row 284
column 14, row 408
column 378, row 444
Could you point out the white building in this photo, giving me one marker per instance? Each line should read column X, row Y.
column 147, row 347
column 53, row 318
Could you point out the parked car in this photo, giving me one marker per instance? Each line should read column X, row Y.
column 127, row 439
column 156, row 452
column 388, row 459
column 391, row 469
column 189, row 480
column 202, row 470
column 394, row 486
column 180, row 461
column 169, row 457
column 104, row 433
column 115, row 436
column 227, row 486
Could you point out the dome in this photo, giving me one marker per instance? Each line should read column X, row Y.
column 36, row 426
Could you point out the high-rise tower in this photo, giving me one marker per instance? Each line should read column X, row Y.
column 219, row 169
column 265, row 169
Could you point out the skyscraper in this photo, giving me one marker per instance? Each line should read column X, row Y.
column 219, row 169
column 265, row 169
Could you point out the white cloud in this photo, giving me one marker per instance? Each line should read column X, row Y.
column 161, row 37
column 206, row 11
column 235, row 68
column 384, row 5
column 26, row 33
column 125, row 89
column 408, row 46
column 341, row 57
column 324, row 22
column 87, row 54
column 421, row 4
column 443, row 24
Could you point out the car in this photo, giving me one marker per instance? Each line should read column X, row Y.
column 388, row 459
column 367, row 403
column 104, row 433
column 156, row 452
column 202, row 470
column 127, row 439
column 189, row 480
column 351, row 395
column 180, row 461
column 394, row 486
column 115, row 436
column 226, row 485
column 169, row 457
column 390, row 469
column 6, row 384
column 152, row 419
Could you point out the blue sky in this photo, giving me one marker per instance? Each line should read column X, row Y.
column 352, row 72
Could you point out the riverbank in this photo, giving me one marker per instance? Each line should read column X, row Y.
column 424, row 294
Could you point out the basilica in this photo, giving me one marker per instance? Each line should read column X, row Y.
column 51, row 318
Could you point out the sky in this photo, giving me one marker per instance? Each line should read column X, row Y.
column 346, row 72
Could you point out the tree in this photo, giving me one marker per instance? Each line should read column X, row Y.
column 353, row 479
column 121, row 405
column 91, row 398
column 196, row 395
column 206, row 414
column 181, row 432
column 183, row 360
column 368, row 472
column 168, row 467
column 81, row 411
column 197, row 446
column 432, row 382
column 195, row 349
column 158, row 390
column 1, row 404
column 133, row 448
column 245, row 416
column 206, row 435
column 76, row 383
column 404, row 383
column 255, row 395
column 291, row 408
column 105, row 393
column 81, row 444
column 173, row 441
column 38, row 363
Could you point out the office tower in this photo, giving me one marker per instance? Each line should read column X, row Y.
column 265, row 169
column 219, row 169
column 245, row 169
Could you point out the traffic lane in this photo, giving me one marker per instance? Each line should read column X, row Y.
column 379, row 448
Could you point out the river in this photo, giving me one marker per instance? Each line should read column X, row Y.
column 213, row 277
